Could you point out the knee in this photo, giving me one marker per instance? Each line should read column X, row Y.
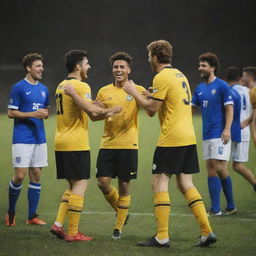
column 18, row 178
column 236, row 167
column 104, row 185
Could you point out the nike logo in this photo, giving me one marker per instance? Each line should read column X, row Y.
column 132, row 173
column 27, row 93
column 199, row 93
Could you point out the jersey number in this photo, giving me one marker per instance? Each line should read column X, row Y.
column 186, row 101
column 59, row 103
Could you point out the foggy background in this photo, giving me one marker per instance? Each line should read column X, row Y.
column 102, row 27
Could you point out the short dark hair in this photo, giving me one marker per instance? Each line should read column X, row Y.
column 212, row 59
column 162, row 49
column 121, row 56
column 28, row 59
column 251, row 71
column 233, row 74
column 74, row 57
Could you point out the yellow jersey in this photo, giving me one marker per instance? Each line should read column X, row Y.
column 72, row 123
column 121, row 130
column 253, row 97
column 175, row 116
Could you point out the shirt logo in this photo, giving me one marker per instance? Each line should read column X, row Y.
column 43, row 93
column 213, row 91
column 200, row 93
column 129, row 97
column 27, row 93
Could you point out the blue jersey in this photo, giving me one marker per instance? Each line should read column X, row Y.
column 27, row 97
column 212, row 98
column 236, row 124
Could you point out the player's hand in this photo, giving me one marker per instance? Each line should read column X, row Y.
column 148, row 93
column 225, row 137
column 113, row 111
column 69, row 89
column 99, row 104
column 130, row 88
column 41, row 113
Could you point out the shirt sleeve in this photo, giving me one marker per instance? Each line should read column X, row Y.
column 195, row 99
column 227, row 95
column 47, row 100
column 14, row 98
column 160, row 88
column 85, row 92
column 253, row 97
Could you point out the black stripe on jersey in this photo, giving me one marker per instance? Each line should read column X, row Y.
column 161, row 205
column 198, row 200
column 150, row 97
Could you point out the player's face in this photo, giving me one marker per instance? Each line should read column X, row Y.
column 84, row 67
column 152, row 62
column 246, row 78
column 36, row 70
column 121, row 70
column 205, row 70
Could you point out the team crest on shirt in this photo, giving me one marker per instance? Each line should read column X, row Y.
column 18, row 159
column 129, row 98
column 220, row 150
column 43, row 94
column 213, row 91
column 88, row 96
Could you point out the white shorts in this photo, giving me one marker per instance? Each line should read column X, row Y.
column 29, row 155
column 215, row 149
column 240, row 151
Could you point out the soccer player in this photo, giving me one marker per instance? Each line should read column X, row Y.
column 240, row 150
column 214, row 97
column 28, row 106
column 73, row 100
column 249, row 78
column 118, row 155
column 176, row 152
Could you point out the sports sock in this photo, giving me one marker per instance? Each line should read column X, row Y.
column 214, row 187
column 195, row 203
column 14, row 192
column 227, row 189
column 75, row 206
column 34, row 190
column 63, row 208
column 122, row 210
column 162, row 214
column 112, row 198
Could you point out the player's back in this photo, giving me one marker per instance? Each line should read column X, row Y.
column 175, row 114
column 72, row 123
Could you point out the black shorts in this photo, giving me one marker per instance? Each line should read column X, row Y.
column 73, row 165
column 121, row 163
column 175, row 160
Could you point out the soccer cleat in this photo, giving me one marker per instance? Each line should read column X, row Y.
column 230, row 211
column 78, row 237
column 58, row 231
column 116, row 234
column 10, row 219
column 212, row 213
column 152, row 242
column 36, row 221
column 207, row 240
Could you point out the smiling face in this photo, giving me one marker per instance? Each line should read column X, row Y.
column 36, row 70
column 83, row 67
column 205, row 70
column 121, row 71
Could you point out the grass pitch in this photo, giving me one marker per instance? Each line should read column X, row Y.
column 236, row 233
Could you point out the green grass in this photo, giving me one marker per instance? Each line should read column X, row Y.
column 236, row 234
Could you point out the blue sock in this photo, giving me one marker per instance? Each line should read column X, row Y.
column 14, row 192
column 34, row 190
column 227, row 189
column 214, row 187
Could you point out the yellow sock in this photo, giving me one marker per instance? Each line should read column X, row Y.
column 122, row 210
column 74, row 212
column 196, row 205
column 162, row 213
column 63, row 208
column 112, row 198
